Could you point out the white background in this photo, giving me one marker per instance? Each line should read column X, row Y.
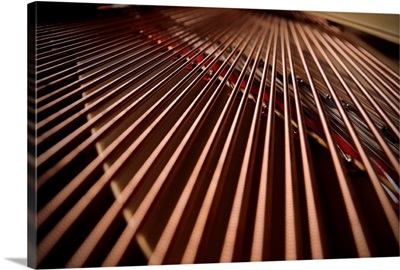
column 13, row 142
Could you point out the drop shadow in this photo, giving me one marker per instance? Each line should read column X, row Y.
column 20, row 261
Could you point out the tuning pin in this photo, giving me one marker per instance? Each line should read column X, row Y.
column 208, row 75
column 328, row 101
column 299, row 81
column 296, row 133
column 264, row 111
column 350, row 164
column 349, row 107
column 349, row 160
column 192, row 65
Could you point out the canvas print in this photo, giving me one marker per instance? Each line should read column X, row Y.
column 185, row 135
